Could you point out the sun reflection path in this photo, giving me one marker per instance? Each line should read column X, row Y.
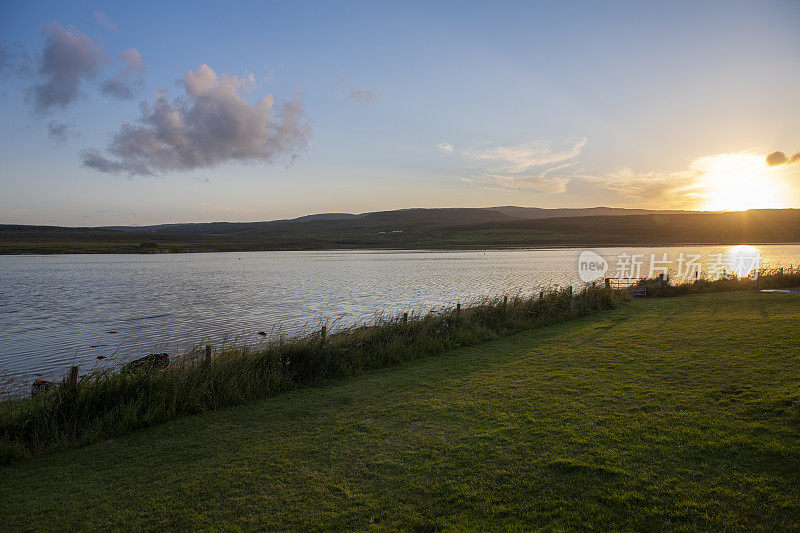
column 745, row 260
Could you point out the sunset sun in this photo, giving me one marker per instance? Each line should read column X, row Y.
column 735, row 182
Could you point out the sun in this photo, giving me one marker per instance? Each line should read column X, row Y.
column 737, row 182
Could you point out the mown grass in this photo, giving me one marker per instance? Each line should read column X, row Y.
column 679, row 413
column 107, row 404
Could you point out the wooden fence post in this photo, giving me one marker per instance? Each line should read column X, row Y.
column 72, row 379
column 323, row 333
column 458, row 309
column 208, row 354
column 405, row 318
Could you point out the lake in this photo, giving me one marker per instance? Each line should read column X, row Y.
column 60, row 310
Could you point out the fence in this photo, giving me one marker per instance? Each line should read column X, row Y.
column 634, row 285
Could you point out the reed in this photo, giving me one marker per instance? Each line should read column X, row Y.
column 776, row 278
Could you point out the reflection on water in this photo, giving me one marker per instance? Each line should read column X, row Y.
column 60, row 310
column 745, row 259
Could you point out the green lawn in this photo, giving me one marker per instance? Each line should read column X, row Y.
column 671, row 413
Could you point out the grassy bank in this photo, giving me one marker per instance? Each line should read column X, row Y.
column 678, row 413
column 107, row 404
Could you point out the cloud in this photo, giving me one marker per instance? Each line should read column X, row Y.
column 776, row 158
column 523, row 157
column 535, row 165
column 135, row 63
column 779, row 158
column 364, row 96
column 92, row 158
column 681, row 189
column 69, row 58
column 119, row 89
column 104, row 21
column 714, row 182
column 58, row 131
column 127, row 81
column 445, row 147
column 210, row 125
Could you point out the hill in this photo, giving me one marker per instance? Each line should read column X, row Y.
column 421, row 229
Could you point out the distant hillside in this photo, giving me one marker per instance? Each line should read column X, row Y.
column 537, row 212
column 383, row 219
column 420, row 229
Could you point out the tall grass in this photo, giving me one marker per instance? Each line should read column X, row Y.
column 106, row 404
column 777, row 278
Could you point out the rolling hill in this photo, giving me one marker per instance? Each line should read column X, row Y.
column 421, row 229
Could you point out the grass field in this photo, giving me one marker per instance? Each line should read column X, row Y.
column 665, row 413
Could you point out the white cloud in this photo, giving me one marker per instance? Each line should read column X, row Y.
column 534, row 165
column 127, row 81
column 523, row 157
column 212, row 124
column 445, row 147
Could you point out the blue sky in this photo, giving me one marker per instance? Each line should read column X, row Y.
column 549, row 104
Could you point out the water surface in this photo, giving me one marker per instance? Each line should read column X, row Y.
column 69, row 309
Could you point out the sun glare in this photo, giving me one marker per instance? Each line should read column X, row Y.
column 736, row 182
column 744, row 259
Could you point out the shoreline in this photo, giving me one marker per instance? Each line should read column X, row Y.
column 487, row 248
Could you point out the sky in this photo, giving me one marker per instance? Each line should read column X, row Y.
column 145, row 113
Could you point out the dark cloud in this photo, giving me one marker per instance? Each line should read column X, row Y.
column 779, row 158
column 127, row 82
column 92, row 158
column 211, row 125
column 104, row 21
column 58, row 131
column 364, row 96
column 776, row 158
column 120, row 89
column 69, row 58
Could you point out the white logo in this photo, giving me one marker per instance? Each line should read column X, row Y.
column 591, row 266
